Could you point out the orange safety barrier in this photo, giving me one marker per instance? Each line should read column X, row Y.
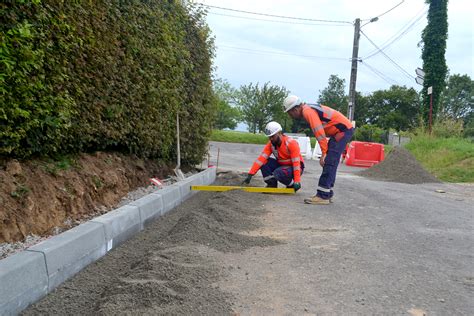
column 364, row 154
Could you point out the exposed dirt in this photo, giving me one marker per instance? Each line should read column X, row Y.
column 169, row 268
column 42, row 198
column 400, row 166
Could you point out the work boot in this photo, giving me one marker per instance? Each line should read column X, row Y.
column 316, row 200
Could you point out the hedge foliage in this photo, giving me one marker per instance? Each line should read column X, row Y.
column 96, row 75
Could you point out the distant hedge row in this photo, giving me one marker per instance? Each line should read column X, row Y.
column 94, row 75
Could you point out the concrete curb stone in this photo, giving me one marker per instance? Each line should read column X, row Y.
column 119, row 225
column 150, row 206
column 171, row 196
column 23, row 279
column 69, row 252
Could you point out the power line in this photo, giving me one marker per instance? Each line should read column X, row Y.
column 390, row 59
column 275, row 21
column 404, row 30
column 378, row 16
column 379, row 73
column 275, row 16
column 267, row 52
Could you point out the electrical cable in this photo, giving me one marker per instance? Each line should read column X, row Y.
column 390, row 59
column 378, row 16
column 278, row 53
column 275, row 16
column 403, row 31
column 275, row 21
column 379, row 74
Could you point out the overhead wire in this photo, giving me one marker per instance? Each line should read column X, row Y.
column 276, row 21
column 280, row 53
column 390, row 59
column 276, row 16
column 379, row 73
column 378, row 16
column 400, row 33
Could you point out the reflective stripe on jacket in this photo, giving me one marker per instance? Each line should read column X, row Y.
column 287, row 154
column 325, row 122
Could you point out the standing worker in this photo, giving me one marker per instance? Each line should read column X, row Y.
column 324, row 122
column 287, row 166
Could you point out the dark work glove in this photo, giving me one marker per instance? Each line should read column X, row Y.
column 297, row 186
column 247, row 180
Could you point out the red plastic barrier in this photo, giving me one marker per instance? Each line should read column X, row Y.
column 364, row 154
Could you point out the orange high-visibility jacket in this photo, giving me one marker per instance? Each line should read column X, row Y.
column 287, row 154
column 325, row 122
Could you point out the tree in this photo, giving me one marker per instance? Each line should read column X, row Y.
column 333, row 95
column 434, row 38
column 396, row 108
column 227, row 114
column 361, row 115
column 261, row 105
column 458, row 98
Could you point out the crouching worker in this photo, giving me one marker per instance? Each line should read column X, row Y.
column 287, row 166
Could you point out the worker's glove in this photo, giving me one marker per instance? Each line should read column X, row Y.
column 247, row 180
column 296, row 186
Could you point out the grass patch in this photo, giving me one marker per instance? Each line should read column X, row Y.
column 449, row 159
column 387, row 149
column 244, row 137
column 238, row 137
column 61, row 163
column 20, row 192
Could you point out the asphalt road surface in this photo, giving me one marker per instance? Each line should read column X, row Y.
column 380, row 248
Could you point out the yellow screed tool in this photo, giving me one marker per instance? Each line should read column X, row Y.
column 222, row 188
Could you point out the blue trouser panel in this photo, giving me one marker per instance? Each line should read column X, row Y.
column 328, row 176
column 272, row 172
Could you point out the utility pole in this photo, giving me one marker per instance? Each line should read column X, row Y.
column 355, row 60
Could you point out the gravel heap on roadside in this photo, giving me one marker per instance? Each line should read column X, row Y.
column 400, row 166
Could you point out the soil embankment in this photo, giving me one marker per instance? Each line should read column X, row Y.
column 40, row 197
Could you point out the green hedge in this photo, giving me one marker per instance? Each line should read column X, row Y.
column 95, row 75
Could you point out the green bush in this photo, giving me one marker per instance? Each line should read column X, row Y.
column 370, row 133
column 469, row 130
column 447, row 127
column 95, row 75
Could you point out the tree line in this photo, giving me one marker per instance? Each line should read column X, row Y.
column 398, row 108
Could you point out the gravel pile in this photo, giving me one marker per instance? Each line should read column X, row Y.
column 168, row 269
column 400, row 166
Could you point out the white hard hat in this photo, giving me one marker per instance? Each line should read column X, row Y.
column 290, row 102
column 272, row 128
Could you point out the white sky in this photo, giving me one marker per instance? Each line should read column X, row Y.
column 306, row 76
